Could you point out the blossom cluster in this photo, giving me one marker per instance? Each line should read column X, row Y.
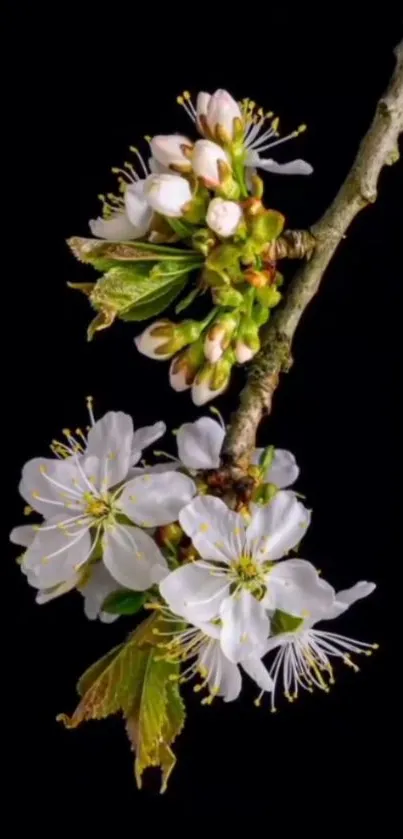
column 232, row 600
column 199, row 204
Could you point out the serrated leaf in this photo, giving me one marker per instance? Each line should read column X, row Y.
column 187, row 301
column 136, row 680
column 103, row 254
column 124, row 602
column 281, row 622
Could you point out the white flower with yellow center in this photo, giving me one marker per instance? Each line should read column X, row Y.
column 303, row 659
column 81, row 496
column 198, row 647
column 127, row 215
column 238, row 578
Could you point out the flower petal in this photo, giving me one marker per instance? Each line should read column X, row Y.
column 54, row 556
column 99, row 584
column 293, row 167
column 277, row 527
column 283, row 471
column 130, row 556
column 215, row 530
column 48, row 484
column 347, row 597
column 259, row 673
column 23, row 535
column 199, row 443
column 110, row 440
column 194, row 592
column 118, row 228
column 154, row 499
column 244, row 625
column 144, row 437
column 224, row 677
column 295, row 587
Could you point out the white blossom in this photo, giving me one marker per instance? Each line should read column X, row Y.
column 303, row 658
column 261, row 134
column 168, row 194
column 206, row 159
column 128, row 215
column 237, row 578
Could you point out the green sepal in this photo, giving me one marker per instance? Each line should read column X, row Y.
column 124, row 602
column 281, row 622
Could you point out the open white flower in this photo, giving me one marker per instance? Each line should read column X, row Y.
column 127, row 215
column 261, row 134
column 82, row 500
column 200, row 443
column 237, row 578
column 304, row 655
column 168, row 194
column 198, row 646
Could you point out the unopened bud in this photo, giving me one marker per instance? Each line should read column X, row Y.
column 223, row 216
column 212, row 379
column 223, row 116
column 168, row 194
column 248, row 342
column 169, row 534
column 172, row 150
column 227, row 296
column 219, row 335
column 162, row 339
column 210, row 163
column 184, row 366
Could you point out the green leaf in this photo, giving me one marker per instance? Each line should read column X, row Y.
column 281, row 622
column 266, row 226
column 187, row 301
column 138, row 681
column 124, row 602
column 103, row 254
column 143, row 311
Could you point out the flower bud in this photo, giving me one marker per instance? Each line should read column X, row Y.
column 223, row 216
column 202, row 103
column 226, row 296
column 163, row 338
column 223, row 116
column 168, row 194
column 210, row 163
column 219, row 335
column 268, row 296
column 203, row 240
column 248, row 342
column 212, row 379
column 184, row 366
column 172, row 150
column 257, row 279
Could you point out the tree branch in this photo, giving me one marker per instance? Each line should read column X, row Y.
column 378, row 148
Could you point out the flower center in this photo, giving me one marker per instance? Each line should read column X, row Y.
column 248, row 574
column 97, row 508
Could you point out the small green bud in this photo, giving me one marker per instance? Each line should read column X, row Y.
column 269, row 296
column 204, row 241
column 227, row 296
column 219, row 335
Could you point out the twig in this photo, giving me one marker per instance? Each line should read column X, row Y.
column 378, row 148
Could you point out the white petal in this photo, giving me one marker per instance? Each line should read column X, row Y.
column 202, row 103
column 277, row 527
column 259, row 673
column 110, row 440
column 245, row 625
column 54, row 557
column 168, row 194
column 293, row 167
column 155, row 499
column 215, row 530
column 224, row 677
column 96, row 589
column 295, row 587
column 116, row 228
column 137, row 208
column 347, row 597
column 23, row 535
column 144, row 437
column 193, row 592
column 283, row 471
column 48, row 484
column 200, row 443
column 46, row 595
column 130, row 556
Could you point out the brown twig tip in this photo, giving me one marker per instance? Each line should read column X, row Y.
column 378, row 148
column 292, row 244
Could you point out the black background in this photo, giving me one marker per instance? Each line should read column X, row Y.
column 81, row 87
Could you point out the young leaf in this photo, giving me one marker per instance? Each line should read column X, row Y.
column 137, row 680
column 124, row 602
column 281, row 622
column 157, row 304
column 103, row 254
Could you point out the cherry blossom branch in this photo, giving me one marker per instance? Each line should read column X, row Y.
column 378, row 148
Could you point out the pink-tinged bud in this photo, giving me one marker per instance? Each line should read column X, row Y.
column 222, row 111
column 248, row 342
column 223, row 217
column 172, row 150
column 168, row 194
column 185, row 365
column 219, row 336
column 243, row 353
column 212, row 379
column 210, row 163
